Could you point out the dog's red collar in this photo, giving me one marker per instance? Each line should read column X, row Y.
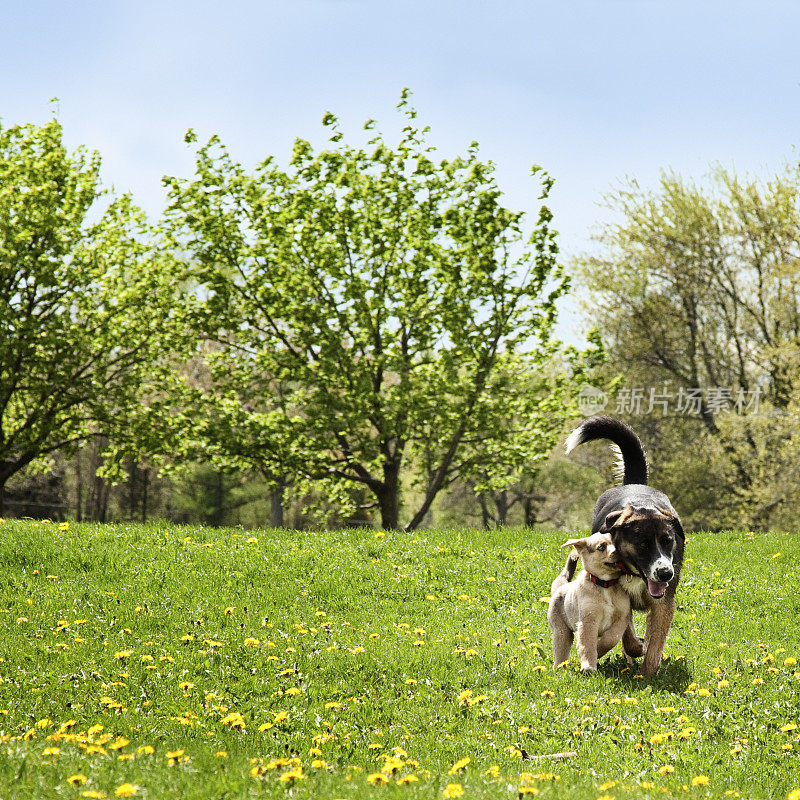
column 623, row 568
column 600, row 581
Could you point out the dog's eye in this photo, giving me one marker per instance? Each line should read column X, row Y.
column 601, row 547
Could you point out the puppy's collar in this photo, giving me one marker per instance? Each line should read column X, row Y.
column 600, row 581
column 621, row 566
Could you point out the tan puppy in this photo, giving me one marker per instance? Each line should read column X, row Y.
column 594, row 607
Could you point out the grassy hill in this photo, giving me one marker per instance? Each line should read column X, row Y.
column 159, row 662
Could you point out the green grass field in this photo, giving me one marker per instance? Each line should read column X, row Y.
column 165, row 662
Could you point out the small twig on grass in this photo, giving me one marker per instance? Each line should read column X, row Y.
column 552, row 756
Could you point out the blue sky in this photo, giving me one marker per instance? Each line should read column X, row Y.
column 593, row 90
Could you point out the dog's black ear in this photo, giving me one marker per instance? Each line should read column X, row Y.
column 615, row 519
column 673, row 518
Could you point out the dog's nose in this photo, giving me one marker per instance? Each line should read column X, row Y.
column 664, row 573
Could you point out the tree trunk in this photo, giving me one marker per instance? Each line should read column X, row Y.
column 276, row 504
column 388, row 494
column 501, row 503
column 78, row 488
column 485, row 515
column 145, row 486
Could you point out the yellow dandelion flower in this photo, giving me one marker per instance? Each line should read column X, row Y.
column 493, row 771
column 700, row 780
column 453, row 790
column 146, row 749
column 281, row 716
column 794, row 795
column 77, row 780
column 93, row 794
column 666, row 769
column 790, row 662
column 532, row 790
column 126, row 790
column 221, row 754
column 459, row 765
column 123, row 654
column 377, row 779
column 318, row 763
column 548, row 693
column 295, row 774
column 234, row 720
column 118, row 743
column 407, row 779
column 51, row 751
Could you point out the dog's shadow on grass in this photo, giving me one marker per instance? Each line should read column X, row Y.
column 673, row 675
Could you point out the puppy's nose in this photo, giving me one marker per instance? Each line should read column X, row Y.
column 664, row 573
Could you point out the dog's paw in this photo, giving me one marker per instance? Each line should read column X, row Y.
column 634, row 649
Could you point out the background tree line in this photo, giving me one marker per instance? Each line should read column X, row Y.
column 365, row 336
column 355, row 332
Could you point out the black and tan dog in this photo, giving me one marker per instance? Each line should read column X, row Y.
column 647, row 533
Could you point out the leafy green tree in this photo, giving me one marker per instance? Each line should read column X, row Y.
column 365, row 304
column 696, row 290
column 85, row 300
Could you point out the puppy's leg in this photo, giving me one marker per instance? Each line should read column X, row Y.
column 659, row 620
column 632, row 645
column 586, row 636
column 562, row 642
column 607, row 641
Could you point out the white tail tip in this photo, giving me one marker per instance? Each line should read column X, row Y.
column 574, row 439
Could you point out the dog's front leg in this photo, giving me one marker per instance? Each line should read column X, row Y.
column 562, row 642
column 659, row 620
column 607, row 641
column 632, row 645
column 586, row 644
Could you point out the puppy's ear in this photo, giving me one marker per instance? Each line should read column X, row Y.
column 616, row 518
column 666, row 512
column 578, row 544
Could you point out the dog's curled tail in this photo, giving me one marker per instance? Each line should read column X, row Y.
column 634, row 460
column 565, row 576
